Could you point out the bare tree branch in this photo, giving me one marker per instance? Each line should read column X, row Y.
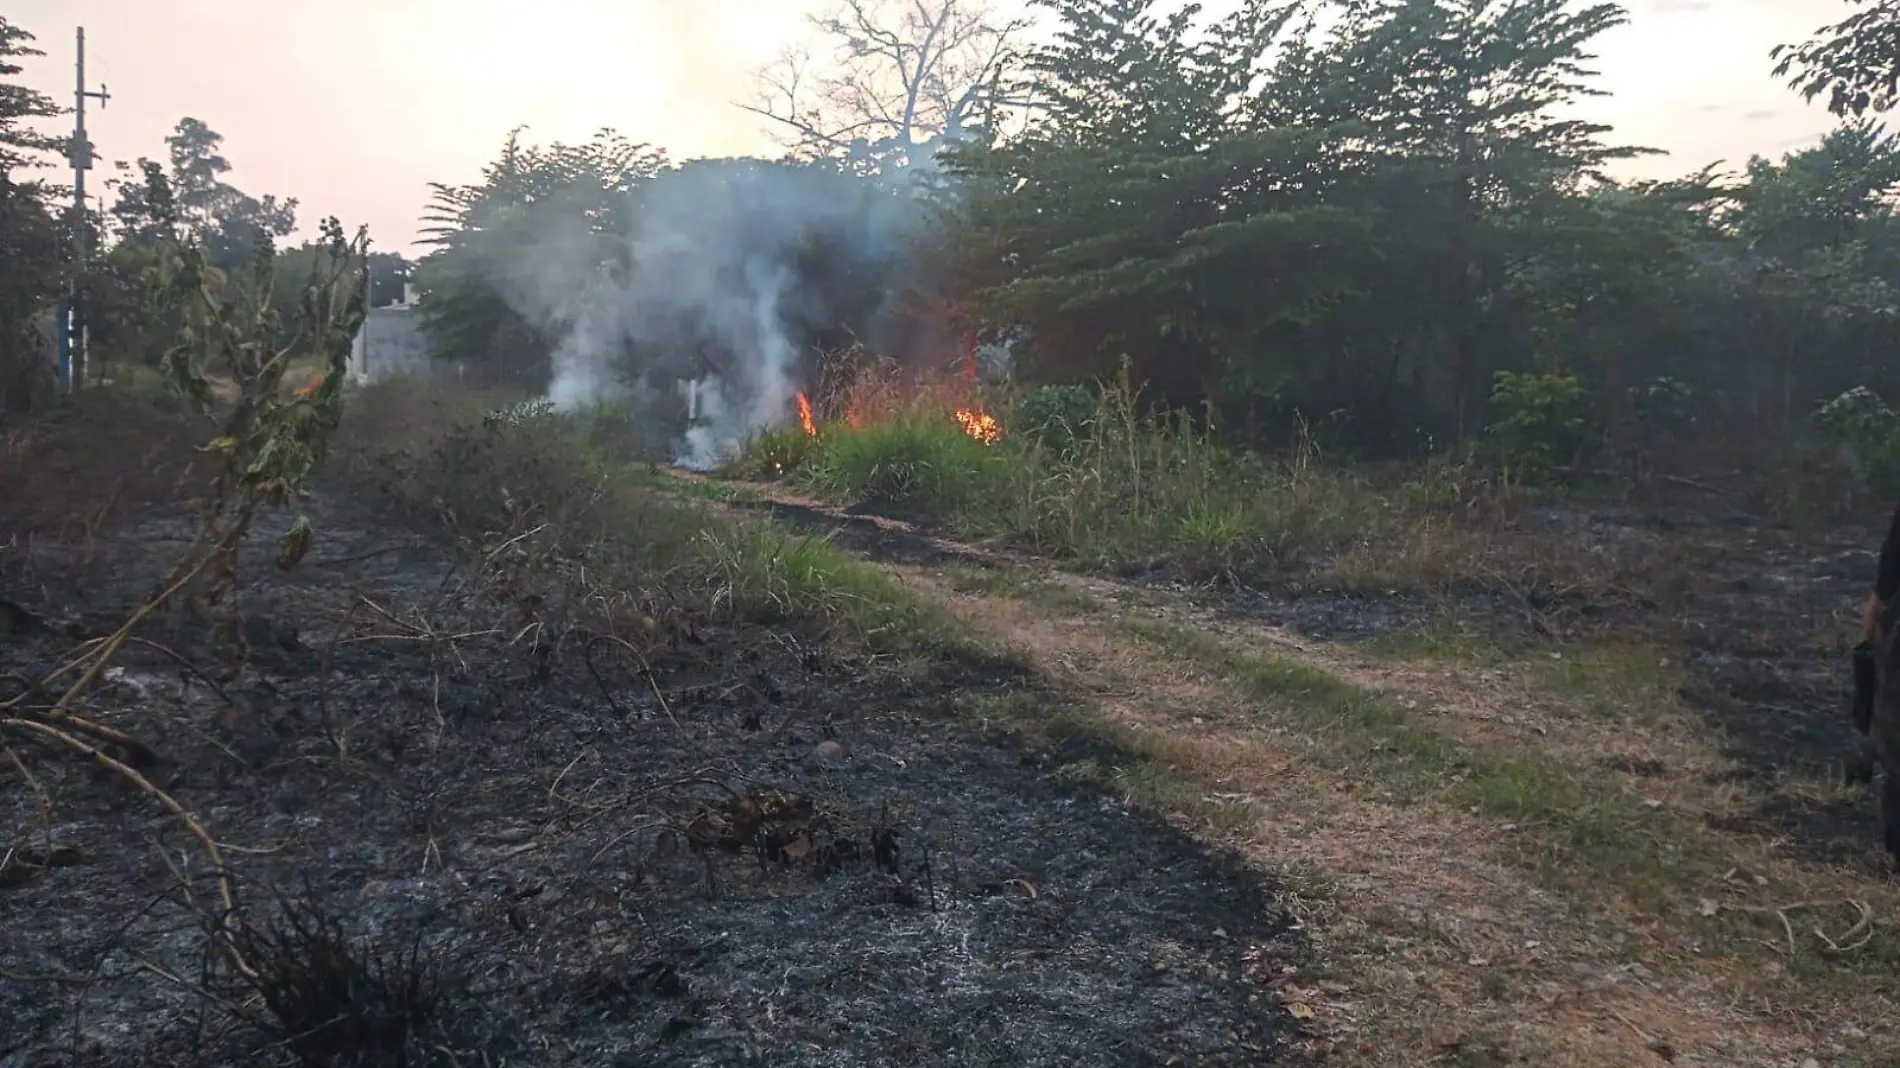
column 889, row 76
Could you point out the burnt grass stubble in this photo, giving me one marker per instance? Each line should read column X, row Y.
column 443, row 860
column 1753, row 615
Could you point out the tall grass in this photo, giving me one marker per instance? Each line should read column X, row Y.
column 1133, row 488
column 1112, row 486
column 1107, row 488
column 921, row 460
column 539, row 500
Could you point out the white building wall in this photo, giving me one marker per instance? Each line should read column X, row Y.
column 391, row 342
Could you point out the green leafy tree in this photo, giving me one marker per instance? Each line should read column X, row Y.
column 1541, row 423
column 231, row 226
column 1141, row 214
column 479, row 234
column 388, row 271
column 1474, row 176
column 34, row 261
column 228, row 228
column 21, row 146
column 1854, row 63
column 1266, row 216
column 1817, row 248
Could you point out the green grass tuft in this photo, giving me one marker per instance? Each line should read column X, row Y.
column 923, row 461
column 1571, row 821
column 773, row 453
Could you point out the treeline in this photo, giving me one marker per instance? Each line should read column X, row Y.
column 1380, row 217
column 35, row 244
column 1377, row 217
column 1380, row 222
column 184, row 196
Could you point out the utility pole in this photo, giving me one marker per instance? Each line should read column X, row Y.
column 74, row 350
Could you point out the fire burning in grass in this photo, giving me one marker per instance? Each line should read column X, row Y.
column 804, row 415
column 980, row 425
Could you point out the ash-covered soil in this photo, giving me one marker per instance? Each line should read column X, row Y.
column 760, row 851
column 1761, row 618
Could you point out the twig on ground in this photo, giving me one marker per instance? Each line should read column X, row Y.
column 39, row 792
column 231, row 1007
column 29, row 979
column 139, row 751
column 100, row 651
column 357, row 558
column 1853, row 939
column 554, row 789
column 638, row 826
column 170, row 804
column 185, row 662
column 587, row 658
column 336, row 636
column 646, row 669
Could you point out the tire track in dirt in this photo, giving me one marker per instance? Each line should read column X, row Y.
column 1450, row 951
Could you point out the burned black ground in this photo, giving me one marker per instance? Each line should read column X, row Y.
column 767, row 850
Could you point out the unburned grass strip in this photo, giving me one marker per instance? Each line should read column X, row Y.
column 1572, row 822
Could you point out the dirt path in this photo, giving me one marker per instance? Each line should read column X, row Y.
column 1452, row 934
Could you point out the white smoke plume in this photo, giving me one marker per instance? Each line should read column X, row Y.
column 727, row 267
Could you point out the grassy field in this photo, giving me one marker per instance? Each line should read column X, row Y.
column 1512, row 738
column 1533, row 779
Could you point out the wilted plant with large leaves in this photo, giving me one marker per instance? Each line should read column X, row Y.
column 232, row 363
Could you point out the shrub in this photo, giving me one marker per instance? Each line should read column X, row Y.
column 1857, row 417
column 1861, row 425
column 1056, row 416
column 1664, row 406
column 1153, row 490
column 1541, row 424
column 93, row 460
column 529, row 495
column 759, row 571
column 1855, row 451
column 1819, row 485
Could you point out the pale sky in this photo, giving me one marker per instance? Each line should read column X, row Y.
column 354, row 106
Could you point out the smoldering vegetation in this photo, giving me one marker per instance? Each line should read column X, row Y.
column 697, row 298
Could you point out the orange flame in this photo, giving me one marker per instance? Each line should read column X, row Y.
column 980, row 425
column 804, row 415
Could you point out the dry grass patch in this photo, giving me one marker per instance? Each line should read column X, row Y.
column 89, row 462
column 550, row 514
column 1111, row 485
column 86, row 466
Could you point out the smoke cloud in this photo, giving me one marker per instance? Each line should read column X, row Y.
column 723, row 275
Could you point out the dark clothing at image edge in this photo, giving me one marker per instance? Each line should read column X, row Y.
column 1887, row 582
